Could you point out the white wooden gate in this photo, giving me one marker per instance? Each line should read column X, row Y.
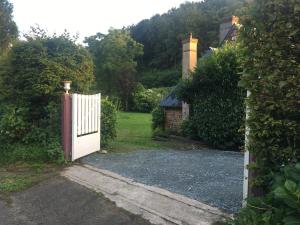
column 86, row 112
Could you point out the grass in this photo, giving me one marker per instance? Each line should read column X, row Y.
column 134, row 132
column 23, row 165
column 20, row 176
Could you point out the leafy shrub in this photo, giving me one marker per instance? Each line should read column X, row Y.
column 217, row 102
column 13, row 125
column 145, row 100
column 280, row 206
column 108, row 122
column 31, row 81
column 158, row 118
column 188, row 129
column 160, row 78
column 33, row 152
column 270, row 38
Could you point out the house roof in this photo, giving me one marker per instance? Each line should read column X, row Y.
column 171, row 101
column 231, row 34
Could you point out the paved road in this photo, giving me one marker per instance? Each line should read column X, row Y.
column 60, row 201
column 210, row 176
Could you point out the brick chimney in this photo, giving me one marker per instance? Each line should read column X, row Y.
column 189, row 63
column 226, row 25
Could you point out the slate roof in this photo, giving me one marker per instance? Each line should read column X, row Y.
column 231, row 34
column 171, row 101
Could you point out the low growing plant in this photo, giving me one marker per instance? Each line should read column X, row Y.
column 280, row 207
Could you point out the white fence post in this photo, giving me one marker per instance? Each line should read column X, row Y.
column 246, row 158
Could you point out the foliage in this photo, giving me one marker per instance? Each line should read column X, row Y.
column 13, row 125
column 33, row 152
column 280, row 206
column 217, row 111
column 270, row 37
column 189, row 129
column 159, row 78
column 31, row 84
column 114, row 56
column 8, row 28
column 144, row 100
column 108, row 122
column 161, row 35
column 158, row 118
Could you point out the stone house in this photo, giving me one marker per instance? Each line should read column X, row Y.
column 176, row 111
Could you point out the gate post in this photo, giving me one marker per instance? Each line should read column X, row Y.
column 66, row 121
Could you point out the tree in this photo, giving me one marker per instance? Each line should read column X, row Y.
column 115, row 59
column 33, row 72
column 8, row 28
column 161, row 35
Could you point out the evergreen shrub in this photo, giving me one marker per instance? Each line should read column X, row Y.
column 270, row 38
column 108, row 122
column 217, row 103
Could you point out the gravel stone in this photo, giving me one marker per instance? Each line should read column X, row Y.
column 210, row 176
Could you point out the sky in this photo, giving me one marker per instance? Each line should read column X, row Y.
column 86, row 17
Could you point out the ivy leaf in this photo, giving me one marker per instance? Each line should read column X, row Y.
column 290, row 186
column 280, row 192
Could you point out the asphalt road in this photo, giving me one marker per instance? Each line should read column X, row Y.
column 60, row 201
column 210, row 176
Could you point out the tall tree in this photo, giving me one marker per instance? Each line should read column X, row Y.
column 33, row 71
column 115, row 59
column 8, row 28
column 161, row 35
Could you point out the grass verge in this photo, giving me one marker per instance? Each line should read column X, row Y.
column 20, row 176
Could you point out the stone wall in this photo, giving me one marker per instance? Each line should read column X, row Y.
column 173, row 118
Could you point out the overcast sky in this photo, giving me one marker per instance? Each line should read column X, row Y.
column 86, row 17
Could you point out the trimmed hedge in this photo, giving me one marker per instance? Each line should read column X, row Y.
column 218, row 110
column 108, row 122
column 270, row 37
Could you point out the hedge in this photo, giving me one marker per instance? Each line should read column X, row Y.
column 108, row 122
column 270, row 38
column 217, row 108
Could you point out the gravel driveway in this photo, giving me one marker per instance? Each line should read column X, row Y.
column 210, row 176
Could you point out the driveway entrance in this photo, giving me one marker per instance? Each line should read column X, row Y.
column 209, row 176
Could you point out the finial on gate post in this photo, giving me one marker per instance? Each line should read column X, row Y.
column 67, row 85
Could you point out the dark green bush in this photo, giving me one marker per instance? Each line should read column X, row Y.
column 160, row 78
column 32, row 152
column 270, row 38
column 189, row 129
column 145, row 100
column 158, row 118
column 217, row 111
column 108, row 122
column 13, row 124
column 280, row 206
column 31, row 85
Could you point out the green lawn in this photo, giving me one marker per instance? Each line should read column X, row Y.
column 134, row 132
